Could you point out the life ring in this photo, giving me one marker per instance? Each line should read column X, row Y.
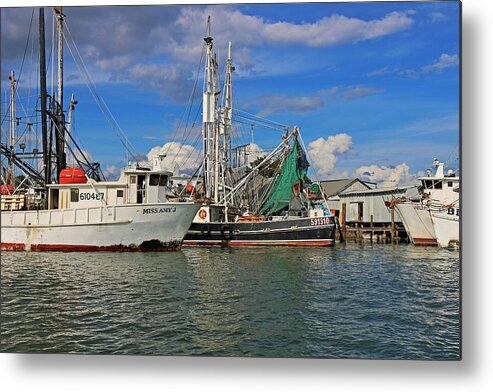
column 202, row 214
column 226, row 233
column 205, row 230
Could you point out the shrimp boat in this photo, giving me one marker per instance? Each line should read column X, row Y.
column 269, row 204
column 74, row 208
column 434, row 196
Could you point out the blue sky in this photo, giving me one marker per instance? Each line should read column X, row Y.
column 383, row 76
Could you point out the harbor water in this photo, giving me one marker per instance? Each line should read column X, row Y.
column 350, row 301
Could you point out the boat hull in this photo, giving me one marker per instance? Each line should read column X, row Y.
column 417, row 222
column 136, row 227
column 446, row 229
column 290, row 232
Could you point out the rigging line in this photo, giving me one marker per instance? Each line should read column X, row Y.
column 99, row 100
column 252, row 122
column 314, row 171
column 22, row 63
column 101, row 103
column 262, row 118
column 199, row 157
column 190, row 102
column 270, row 188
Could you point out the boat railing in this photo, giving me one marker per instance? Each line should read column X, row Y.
column 66, row 216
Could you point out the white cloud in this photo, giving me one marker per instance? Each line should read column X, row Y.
column 324, row 153
column 112, row 63
column 179, row 157
column 112, row 172
column 387, row 176
column 254, row 152
column 335, row 29
column 445, row 61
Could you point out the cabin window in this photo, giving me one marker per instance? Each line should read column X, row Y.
column 141, row 191
column 163, row 180
column 133, row 179
column 74, row 195
column 450, row 184
column 154, row 180
column 119, row 193
column 54, row 199
column 428, row 184
column 438, row 184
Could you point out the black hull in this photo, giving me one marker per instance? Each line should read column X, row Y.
column 290, row 232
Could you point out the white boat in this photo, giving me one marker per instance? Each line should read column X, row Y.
column 446, row 222
column 132, row 213
column 435, row 191
column 74, row 210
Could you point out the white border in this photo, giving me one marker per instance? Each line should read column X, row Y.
column 473, row 373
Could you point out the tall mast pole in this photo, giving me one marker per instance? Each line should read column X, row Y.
column 216, row 131
column 226, row 118
column 12, row 128
column 42, row 78
column 208, row 115
column 59, row 17
column 71, row 109
column 60, row 125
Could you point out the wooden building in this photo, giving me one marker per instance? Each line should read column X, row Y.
column 364, row 209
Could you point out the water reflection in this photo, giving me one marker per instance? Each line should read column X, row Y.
column 377, row 301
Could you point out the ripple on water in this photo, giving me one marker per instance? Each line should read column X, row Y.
column 350, row 301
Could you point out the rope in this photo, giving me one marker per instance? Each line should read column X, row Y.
column 99, row 100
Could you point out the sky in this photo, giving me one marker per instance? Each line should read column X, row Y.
column 373, row 86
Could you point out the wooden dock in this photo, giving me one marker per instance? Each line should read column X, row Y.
column 388, row 232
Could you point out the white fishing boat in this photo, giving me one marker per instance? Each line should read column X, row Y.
column 446, row 222
column 435, row 191
column 75, row 208
column 131, row 213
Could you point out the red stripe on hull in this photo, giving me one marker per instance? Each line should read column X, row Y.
column 260, row 243
column 424, row 241
column 86, row 248
column 12, row 246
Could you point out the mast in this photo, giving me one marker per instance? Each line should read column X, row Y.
column 12, row 129
column 60, row 121
column 59, row 17
column 208, row 117
column 226, row 118
column 71, row 109
column 42, row 78
column 228, row 104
